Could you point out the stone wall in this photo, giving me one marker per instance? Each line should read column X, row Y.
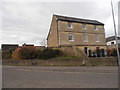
column 110, row 61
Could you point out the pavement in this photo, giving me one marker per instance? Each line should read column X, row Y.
column 59, row 77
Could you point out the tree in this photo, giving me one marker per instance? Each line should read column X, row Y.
column 43, row 42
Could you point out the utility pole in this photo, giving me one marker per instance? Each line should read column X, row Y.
column 118, row 54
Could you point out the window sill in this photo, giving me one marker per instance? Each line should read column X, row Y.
column 85, row 41
column 96, row 29
column 71, row 40
column 70, row 27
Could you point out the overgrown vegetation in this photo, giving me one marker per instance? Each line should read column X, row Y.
column 7, row 54
column 32, row 53
column 27, row 53
column 112, row 52
column 48, row 53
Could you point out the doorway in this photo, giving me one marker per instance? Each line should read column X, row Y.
column 86, row 50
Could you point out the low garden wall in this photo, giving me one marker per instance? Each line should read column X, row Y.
column 102, row 61
column 110, row 61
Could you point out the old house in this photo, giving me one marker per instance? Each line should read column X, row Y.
column 82, row 33
column 111, row 42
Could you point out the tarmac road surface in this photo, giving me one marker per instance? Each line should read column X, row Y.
column 59, row 77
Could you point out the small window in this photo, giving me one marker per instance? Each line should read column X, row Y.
column 85, row 38
column 71, row 37
column 84, row 26
column 97, row 38
column 69, row 25
column 95, row 27
column 112, row 42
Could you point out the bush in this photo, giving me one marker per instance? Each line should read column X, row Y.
column 48, row 53
column 33, row 53
column 114, row 52
column 7, row 54
column 27, row 53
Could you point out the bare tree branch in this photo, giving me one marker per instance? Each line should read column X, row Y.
column 43, row 42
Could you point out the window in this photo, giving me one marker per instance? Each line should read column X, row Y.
column 71, row 37
column 112, row 42
column 69, row 25
column 84, row 26
column 95, row 27
column 97, row 38
column 85, row 38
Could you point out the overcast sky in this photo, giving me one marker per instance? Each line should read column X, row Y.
column 29, row 22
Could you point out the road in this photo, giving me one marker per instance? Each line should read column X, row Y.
column 59, row 77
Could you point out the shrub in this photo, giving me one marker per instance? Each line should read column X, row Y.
column 27, row 52
column 114, row 52
column 40, row 54
column 7, row 54
column 33, row 53
column 48, row 53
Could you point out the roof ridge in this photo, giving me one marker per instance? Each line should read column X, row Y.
column 74, row 19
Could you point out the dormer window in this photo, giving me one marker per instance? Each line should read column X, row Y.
column 83, row 26
column 69, row 25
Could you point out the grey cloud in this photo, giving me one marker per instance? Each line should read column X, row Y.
column 29, row 22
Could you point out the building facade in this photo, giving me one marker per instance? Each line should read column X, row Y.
column 82, row 33
column 111, row 42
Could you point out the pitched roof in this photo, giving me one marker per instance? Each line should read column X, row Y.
column 111, row 38
column 28, row 45
column 9, row 46
column 79, row 20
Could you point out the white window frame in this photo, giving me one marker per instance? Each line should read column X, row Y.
column 83, row 26
column 85, row 38
column 97, row 38
column 72, row 36
column 69, row 25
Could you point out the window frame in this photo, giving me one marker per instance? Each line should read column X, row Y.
column 71, row 35
column 97, row 38
column 83, row 26
column 69, row 25
column 85, row 38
